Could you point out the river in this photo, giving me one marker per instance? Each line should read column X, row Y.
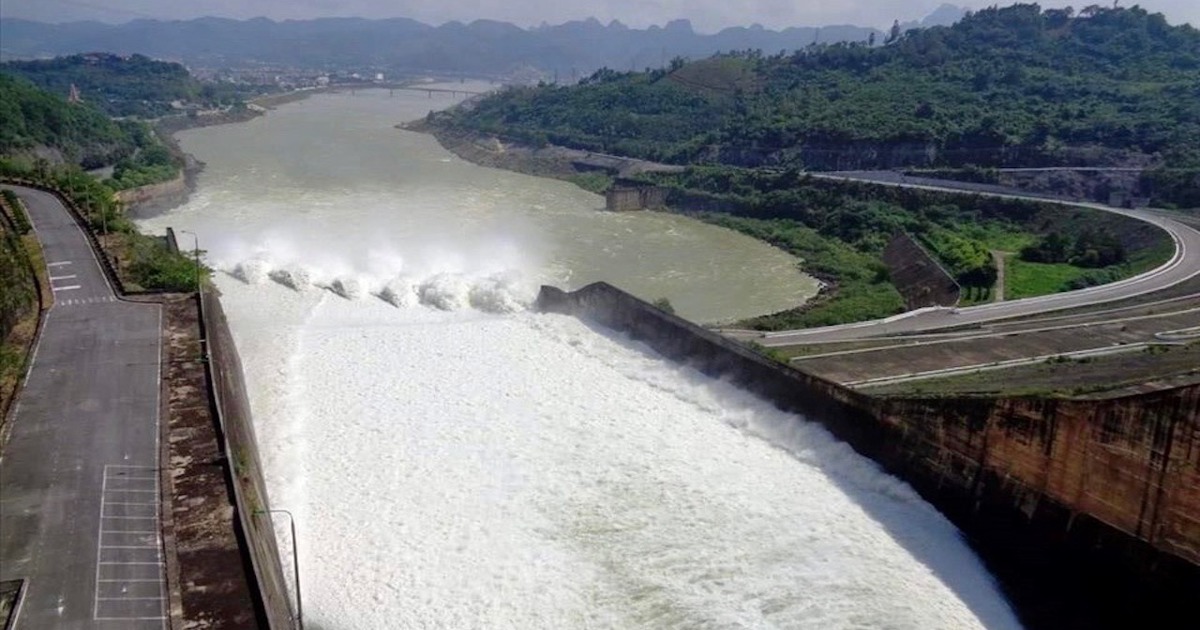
column 456, row 461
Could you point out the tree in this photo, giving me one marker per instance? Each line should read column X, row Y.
column 893, row 34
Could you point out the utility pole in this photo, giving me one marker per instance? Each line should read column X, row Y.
column 199, row 295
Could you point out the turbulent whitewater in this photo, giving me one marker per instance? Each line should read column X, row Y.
column 456, row 461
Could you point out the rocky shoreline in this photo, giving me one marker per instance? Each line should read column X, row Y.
column 545, row 161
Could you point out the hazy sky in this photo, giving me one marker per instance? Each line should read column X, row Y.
column 706, row 15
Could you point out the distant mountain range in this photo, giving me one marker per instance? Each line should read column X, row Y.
column 403, row 45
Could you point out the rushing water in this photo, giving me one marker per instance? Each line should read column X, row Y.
column 455, row 461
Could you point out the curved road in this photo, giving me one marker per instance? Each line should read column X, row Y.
column 1182, row 266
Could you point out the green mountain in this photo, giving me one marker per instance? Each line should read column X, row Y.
column 33, row 121
column 122, row 86
column 1015, row 86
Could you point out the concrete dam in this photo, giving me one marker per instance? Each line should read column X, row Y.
column 1102, row 496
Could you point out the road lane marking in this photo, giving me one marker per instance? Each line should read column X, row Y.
column 70, row 288
column 59, row 263
column 52, row 278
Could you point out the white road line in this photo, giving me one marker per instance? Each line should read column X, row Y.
column 59, row 263
column 155, row 491
column 130, row 580
column 70, row 288
column 68, row 277
column 128, row 599
column 122, row 564
column 128, row 546
column 160, row 617
column 127, row 502
column 138, row 518
column 99, row 537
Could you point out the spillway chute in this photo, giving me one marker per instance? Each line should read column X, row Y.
column 293, row 277
column 348, row 287
column 446, row 291
column 400, row 292
column 253, row 271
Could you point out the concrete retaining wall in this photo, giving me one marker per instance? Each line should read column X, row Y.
column 917, row 275
column 241, row 449
column 163, row 192
column 1087, row 510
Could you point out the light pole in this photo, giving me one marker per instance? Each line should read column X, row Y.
column 295, row 564
column 199, row 296
column 196, row 249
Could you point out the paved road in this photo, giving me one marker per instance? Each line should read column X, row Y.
column 1182, row 266
column 79, row 494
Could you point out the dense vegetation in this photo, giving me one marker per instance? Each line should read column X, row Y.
column 31, row 118
column 1008, row 86
column 18, row 294
column 18, row 297
column 840, row 229
column 153, row 163
column 1015, row 86
column 36, row 122
column 123, row 86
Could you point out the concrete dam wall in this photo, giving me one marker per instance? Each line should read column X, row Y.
column 1088, row 511
column 240, row 446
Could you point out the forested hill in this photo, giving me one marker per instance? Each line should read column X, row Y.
column 33, row 121
column 122, row 86
column 1015, row 86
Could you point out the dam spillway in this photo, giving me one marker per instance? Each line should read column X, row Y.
column 462, row 469
column 454, row 460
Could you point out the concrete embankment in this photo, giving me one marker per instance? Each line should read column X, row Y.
column 168, row 193
column 1088, row 511
column 237, row 432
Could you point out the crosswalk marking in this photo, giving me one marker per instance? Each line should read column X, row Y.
column 91, row 300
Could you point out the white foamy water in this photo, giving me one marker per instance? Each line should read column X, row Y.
column 460, row 469
column 455, row 461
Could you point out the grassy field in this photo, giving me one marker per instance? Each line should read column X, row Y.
column 1024, row 279
column 998, row 237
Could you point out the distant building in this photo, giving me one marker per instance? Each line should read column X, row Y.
column 379, row 77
